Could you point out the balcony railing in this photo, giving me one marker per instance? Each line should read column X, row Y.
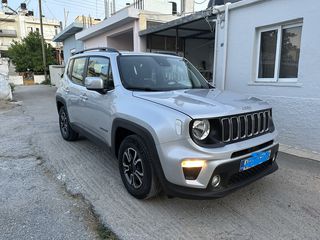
column 8, row 33
column 138, row 4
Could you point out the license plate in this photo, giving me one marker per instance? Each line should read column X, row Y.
column 254, row 160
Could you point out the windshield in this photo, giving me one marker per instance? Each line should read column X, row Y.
column 159, row 73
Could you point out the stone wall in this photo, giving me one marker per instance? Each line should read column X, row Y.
column 5, row 89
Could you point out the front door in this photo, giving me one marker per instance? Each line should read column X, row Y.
column 98, row 106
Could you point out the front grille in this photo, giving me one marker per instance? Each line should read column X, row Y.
column 244, row 126
column 242, row 176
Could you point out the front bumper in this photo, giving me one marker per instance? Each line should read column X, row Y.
column 231, row 179
column 224, row 162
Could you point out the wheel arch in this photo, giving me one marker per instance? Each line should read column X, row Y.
column 60, row 103
column 121, row 125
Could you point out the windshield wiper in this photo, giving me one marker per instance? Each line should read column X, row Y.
column 146, row 89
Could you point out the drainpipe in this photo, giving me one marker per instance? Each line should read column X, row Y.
column 214, row 79
column 225, row 50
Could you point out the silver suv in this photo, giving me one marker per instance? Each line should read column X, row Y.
column 170, row 130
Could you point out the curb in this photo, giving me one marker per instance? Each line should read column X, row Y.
column 299, row 152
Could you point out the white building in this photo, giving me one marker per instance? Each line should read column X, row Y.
column 273, row 53
column 263, row 48
column 17, row 25
column 121, row 29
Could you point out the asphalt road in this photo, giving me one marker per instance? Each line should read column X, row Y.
column 284, row 205
column 33, row 204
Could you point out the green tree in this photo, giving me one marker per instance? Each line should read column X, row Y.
column 27, row 54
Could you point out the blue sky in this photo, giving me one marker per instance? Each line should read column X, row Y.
column 54, row 9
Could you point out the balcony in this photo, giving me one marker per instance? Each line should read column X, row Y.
column 8, row 33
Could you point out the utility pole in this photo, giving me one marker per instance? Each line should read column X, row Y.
column 66, row 14
column 42, row 43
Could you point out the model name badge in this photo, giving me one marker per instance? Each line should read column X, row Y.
column 246, row 108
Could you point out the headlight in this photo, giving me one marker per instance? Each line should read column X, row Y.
column 200, row 129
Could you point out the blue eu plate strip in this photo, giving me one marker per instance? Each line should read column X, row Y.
column 254, row 160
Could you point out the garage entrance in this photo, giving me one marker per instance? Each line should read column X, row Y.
column 192, row 37
column 121, row 41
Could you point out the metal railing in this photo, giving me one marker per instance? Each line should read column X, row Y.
column 8, row 33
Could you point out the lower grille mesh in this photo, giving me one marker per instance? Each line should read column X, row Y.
column 241, row 176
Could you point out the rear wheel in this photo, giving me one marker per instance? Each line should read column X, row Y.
column 136, row 168
column 66, row 131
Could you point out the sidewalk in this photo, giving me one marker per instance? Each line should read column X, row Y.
column 303, row 153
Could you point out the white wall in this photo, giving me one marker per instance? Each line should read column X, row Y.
column 296, row 106
column 70, row 44
column 123, row 41
column 165, row 7
column 16, row 80
column 38, row 79
column 122, row 38
column 56, row 72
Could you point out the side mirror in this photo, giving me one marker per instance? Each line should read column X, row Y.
column 94, row 83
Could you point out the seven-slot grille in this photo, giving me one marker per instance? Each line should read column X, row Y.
column 240, row 127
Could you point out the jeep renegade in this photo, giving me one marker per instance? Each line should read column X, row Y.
column 168, row 127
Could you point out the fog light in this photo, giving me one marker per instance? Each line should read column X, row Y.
column 192, row 168
column 216, row 181
column 193, row 163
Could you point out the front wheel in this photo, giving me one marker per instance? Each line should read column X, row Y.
column 136, row 169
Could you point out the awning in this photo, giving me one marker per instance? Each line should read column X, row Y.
column 196, row 26
column 71, row 30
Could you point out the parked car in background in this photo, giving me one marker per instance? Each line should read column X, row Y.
column 168, row 127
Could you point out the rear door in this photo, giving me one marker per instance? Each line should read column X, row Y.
column 76, row 75
column 98, row 105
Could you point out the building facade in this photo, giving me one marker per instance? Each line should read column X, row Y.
column 121, row 29
column 16, row 26
column 275, row 57
column 67, row 35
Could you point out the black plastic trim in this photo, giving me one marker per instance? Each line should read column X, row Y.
column 61, row 99
column 252, row 149
column 149, row 141
column 226, row 171
column 218, row 143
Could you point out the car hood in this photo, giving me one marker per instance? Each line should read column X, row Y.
column 204, row 103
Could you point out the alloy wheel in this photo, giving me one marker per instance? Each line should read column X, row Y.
column 64, row 123
column 133, row 168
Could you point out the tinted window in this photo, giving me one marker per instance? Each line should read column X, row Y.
column 78, row 70
column 290, row 52
column 268, row 48
column 100, row 67
column 159, row 73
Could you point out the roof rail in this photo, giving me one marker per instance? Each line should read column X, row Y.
column 167, row 53
column 107, row 49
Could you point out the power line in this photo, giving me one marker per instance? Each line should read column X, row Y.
column 25, row 1
column 45, row 1
column 75, row 3
column 68, row 5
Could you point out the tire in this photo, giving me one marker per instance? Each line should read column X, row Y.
column 67, row 132
column 136, row 169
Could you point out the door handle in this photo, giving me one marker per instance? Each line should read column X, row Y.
column 66, row 90
column 84, row 97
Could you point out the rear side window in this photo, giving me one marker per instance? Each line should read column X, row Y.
column 78, row 70
column 100, row 67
